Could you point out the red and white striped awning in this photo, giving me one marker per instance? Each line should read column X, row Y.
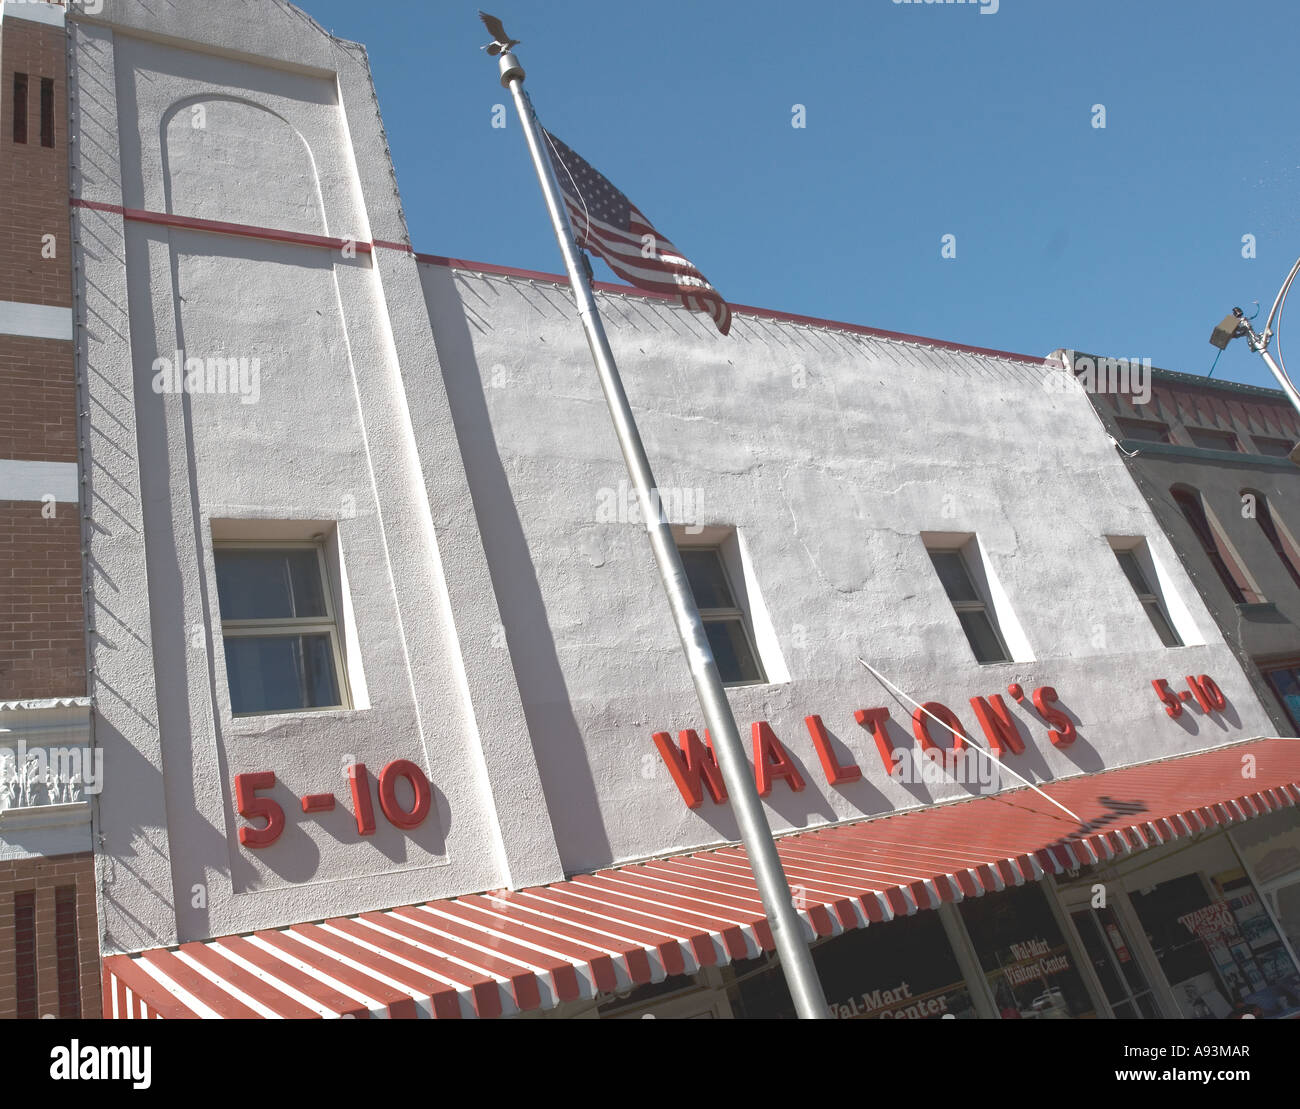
column 498, row 954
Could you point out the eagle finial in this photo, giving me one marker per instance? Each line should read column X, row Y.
column 501, row 41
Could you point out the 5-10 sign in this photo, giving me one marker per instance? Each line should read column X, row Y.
column 1205, row 690
column 252, row 807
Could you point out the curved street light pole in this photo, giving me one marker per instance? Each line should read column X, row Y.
column 1236, row 325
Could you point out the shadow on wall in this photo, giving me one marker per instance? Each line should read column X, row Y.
column 562, row 764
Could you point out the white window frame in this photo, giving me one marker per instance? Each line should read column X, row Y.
column 288, row 626
column 735, row 613
column 983, row 605
column 1151, row 599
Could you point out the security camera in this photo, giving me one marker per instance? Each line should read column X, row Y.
column 1230, row 327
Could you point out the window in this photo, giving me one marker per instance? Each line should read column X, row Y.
column 724, row 621
column 1281, row 543
column 1031, row 969
column 1274, row 448
column 1286, row 684
column 20, row 107
column 1230, row 572
column 1212, row 440
column 1149, row 431
column 47, row 112
column 67, row 964
column 971, row 608
column 25, row 954
column 1131, row 565
column 277, row 622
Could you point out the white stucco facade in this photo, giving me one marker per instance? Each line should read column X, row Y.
column 442, row 432
column 328, row 447
column 833, row 455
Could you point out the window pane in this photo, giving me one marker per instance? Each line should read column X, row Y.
column 1148, row 1005
column 1212, row 440
column 952, row 572
column 731, row 651
column 1146, row 430
column 47, row 111
column 269, row 585
column 983, row 639
column 20, row 107
column 708, row 582
column 275, row 673
column 1168, row 636
column 1129, row 564
column 1277, row 448
column 1190, row 504
column 1029, row 965
column 1284, row 681
column 1103, row 963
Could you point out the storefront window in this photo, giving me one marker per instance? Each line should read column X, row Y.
column 1218, row 949
column 1026, row 959
column 1113, row 961
column 903, row 970
column 1271, row 848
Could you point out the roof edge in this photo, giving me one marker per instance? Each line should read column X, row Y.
column 494, row 270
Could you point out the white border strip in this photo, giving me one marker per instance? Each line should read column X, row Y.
column 35, row 321
column 35, row 11
column 34, row 481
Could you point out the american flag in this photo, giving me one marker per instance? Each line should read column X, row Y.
column 605, row 222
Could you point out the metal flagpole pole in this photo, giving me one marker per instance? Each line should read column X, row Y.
column 787, row 928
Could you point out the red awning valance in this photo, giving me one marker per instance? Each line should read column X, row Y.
column 495, row 954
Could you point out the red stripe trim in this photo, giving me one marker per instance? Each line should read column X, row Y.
column 362, row 247
column 220, row 227
column 763, row 313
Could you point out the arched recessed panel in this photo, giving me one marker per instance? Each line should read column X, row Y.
column 231, row 160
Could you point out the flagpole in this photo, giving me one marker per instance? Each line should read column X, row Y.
column 755, row 833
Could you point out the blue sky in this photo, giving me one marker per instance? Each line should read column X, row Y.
column 922, row 121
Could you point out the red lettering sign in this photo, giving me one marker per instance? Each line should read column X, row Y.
column 1062, row 732
column 248, row 804
column 836, row 774
column 694, row 767
column 923, row 720
column 998, row 724
column 874, row 721
column 771, row 761
column 388, row 779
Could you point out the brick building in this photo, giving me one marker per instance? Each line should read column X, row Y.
column 49, row 946
column 1211, row 457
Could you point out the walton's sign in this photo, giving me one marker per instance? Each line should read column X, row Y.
column 695, row 770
